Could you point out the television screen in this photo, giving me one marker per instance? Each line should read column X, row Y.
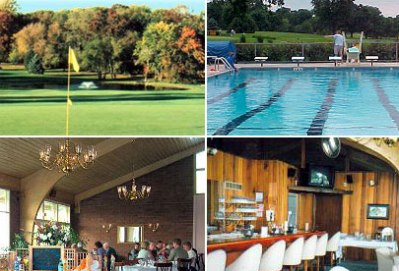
column 321, row 176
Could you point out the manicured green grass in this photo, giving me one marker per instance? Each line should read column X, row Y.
column 33, row 111
column 286, row 37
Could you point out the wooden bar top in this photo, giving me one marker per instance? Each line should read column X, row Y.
column 244, row 243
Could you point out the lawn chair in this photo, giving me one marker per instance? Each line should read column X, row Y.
column 354, row 53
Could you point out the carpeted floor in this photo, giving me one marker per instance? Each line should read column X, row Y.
column 359, row 266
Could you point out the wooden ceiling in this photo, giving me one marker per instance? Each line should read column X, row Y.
column 289, row 151
column 19, row 158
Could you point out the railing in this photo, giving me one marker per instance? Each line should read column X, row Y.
column 313, row 52
column 225, row 62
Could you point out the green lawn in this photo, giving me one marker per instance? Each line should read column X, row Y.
column 285, row 37
column 174, row 109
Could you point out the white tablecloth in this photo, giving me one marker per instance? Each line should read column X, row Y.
column 142, row 268
column 351, row 241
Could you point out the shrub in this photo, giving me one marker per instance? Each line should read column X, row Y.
column 28, row 57
column 243, row 39
column 259, row 38
column 35, row 65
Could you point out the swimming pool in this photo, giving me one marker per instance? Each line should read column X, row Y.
column 312, row 101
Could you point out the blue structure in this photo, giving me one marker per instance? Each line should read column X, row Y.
column 222, row 49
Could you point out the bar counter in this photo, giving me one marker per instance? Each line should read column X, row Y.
column 235, row 247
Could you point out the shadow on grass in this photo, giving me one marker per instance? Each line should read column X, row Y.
column 103, row 98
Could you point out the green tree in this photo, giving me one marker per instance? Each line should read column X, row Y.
column 333, row 14
column 97, row 57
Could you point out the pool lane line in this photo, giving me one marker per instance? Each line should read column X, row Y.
column 317, row 125
column 384, row 100
column 230, row 91
column 232, row 125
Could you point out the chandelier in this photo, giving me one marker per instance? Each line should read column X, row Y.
column 68, row 158
column 136, row 193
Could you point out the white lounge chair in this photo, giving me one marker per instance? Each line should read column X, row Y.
column 261, row 59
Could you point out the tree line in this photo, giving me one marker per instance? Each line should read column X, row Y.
column 163, row 44
column 326, row 17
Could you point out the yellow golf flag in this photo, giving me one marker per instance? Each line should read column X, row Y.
column 69, row 102
column 72, row 60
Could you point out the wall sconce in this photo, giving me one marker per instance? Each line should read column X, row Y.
column 372, row 183
column 107, row 228
column 153, row 227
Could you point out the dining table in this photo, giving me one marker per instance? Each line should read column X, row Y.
column 143, row 268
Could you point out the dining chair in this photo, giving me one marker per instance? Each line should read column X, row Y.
column 309, row 251
column 293, row 254
column 385, row 259
column 249, row 260
column 216, row 260
column 184, row 264
column 333, row 246
column 321, row 249
column 163, row 266
column 201, row 261
column 272, row 259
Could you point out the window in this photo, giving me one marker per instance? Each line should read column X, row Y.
column 4, row 218
column 293, row 207
column 53, row 211
column 130, row 234
column 200, row 173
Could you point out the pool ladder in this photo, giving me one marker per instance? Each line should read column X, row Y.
column 224, row 61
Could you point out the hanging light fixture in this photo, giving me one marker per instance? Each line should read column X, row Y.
column 331, row 146
column 68, row 158
column 136, row 193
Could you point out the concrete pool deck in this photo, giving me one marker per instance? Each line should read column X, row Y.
column 270, row 65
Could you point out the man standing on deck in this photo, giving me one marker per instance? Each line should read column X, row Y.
column 338, row 43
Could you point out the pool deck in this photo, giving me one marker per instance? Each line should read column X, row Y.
column 267, row 65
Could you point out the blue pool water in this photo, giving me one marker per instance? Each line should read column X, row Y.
column 322, row 101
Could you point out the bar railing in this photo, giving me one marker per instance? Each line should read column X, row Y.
column 313, row 52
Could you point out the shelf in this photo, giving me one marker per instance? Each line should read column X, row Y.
column 240, row 211
column 238, row 219
column 318, row 190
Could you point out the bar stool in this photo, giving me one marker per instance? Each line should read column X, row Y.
column 249, row 260
column 272, row 259
column 216, row 260
column 321, row 248
column 309, row 251
column 293, row 254
column 332, row 246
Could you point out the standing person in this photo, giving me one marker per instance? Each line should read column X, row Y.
column 191, row 254
column 101, row 253
column 177, row 251
column 109, row 253
column 338, row 43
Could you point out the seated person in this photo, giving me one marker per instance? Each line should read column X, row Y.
column 135, row 251
column 144, row 253
column 177, row 251
column 91, row 263
column 191, row 254
column 152, row 251
column 354, row 49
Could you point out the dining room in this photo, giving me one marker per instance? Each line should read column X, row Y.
column 302, row 204
column 86, row 204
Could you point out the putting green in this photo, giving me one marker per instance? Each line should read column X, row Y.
column 176, row 109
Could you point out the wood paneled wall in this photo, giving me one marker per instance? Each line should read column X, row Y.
column 354, row 216
column 269, row 177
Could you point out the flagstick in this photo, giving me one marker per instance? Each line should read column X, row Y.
column 69, row 85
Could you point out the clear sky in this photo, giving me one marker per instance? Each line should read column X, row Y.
column 387, row 7
column 195, row 6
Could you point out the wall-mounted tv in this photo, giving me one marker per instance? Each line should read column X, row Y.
column 321, row 176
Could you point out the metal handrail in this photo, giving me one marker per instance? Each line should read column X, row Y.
column 225, row 62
